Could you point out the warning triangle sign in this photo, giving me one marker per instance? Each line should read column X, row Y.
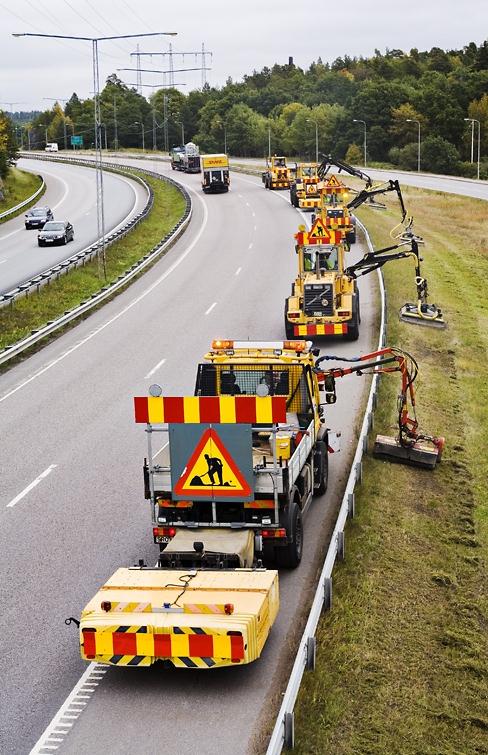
column 318, row 230
column 211, row 471
column 333, row 181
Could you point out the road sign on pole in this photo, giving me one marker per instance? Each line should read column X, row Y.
column 76, row 141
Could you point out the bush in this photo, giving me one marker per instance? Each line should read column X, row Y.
column 439, row 156
column 354, row 155
column 405, row 157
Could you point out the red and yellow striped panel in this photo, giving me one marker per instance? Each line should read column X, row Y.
column 327, row 329
column 136, row 646
column 210, row 409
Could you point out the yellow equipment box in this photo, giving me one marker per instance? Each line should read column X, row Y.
column 190, row 618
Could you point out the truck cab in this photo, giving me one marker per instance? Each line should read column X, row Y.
column 287, row 459
column 324, row 300
column 305, row 186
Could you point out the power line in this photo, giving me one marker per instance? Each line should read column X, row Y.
column 136, row 16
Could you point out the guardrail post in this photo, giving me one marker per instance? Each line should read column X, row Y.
column 289, row 731
column 327, row 594
column 341, row 546
column 311, row 654
column 359, row 473
column 351, row 505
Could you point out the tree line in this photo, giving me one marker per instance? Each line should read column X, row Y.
column 394, row 93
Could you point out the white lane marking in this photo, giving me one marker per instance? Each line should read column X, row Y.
column 123, row 311
column 253, row 214
column 250, row 245
column 31, row 486
column 154, row 369
column 2, row 261
column 211, row 307
column 247, row 204
column 58, row 722
column 238, row 271
column 255, row 228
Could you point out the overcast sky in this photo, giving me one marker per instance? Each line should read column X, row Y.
column 241, row 35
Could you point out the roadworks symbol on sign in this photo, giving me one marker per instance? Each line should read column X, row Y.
column 318, row 230
column 211, row 471
column 333, row 181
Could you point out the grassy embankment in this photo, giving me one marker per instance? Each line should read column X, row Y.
column 403, row 656
column 30, row 313
column 18, row 186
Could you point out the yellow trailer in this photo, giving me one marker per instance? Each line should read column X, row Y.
column 187, row 618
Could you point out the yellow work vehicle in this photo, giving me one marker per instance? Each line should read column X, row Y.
column 333, row 209
column 242, row 461
column 324, row 299
column 305, row 187
column 277, row 174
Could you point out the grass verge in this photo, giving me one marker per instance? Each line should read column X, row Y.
column 54, row 299
column 402, row 657
column 18, row 186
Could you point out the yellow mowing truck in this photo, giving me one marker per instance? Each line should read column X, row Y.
column 305, row 187
column 277, row 174
column 215, row 169
column 333, row 209
column 324, row 299
column 229, row 473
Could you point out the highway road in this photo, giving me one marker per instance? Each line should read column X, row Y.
column 70, row 194
column 72, row 506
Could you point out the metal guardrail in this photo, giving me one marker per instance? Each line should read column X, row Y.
column 283, row 733
column 27, row 201
column 9, row 352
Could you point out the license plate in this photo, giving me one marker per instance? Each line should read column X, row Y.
column 48, row 241
column 317, row 314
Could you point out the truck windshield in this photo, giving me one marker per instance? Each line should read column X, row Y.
column 326, row 256
column 243, row 380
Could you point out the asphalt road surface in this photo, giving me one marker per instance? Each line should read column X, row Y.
column 71, row 494
column 71, row 195
column 72, row 508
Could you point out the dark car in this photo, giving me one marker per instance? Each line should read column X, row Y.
column 37, row 217
column 56, row 232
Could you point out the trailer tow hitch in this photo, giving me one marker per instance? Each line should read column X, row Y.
column 71, row 620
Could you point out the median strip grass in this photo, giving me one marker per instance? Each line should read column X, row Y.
column 27, row 314
column 17, row 187
column 402, row 657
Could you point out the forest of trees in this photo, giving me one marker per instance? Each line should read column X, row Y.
column 391, row 92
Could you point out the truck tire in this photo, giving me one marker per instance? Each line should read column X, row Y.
column 351, row 237
column 353, row 326
column 321, row 464
column 290, row 555
column 288, row 326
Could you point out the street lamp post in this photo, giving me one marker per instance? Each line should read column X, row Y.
column 43, row 125
column 138, row 123
column 413, row 120
column 473, row 121
column 225, row 138
column 98, row 136
column 311, row 120
column 116, row 136
column 356, row 120
column 269, row 142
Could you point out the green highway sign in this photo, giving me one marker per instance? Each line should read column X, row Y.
column 76, row 141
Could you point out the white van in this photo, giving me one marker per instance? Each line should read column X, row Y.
column 51, row 147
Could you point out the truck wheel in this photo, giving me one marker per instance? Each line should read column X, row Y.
column 290, row 555
column 288, row 326
column 321, row 461
column 351, row 237
column 353, row 326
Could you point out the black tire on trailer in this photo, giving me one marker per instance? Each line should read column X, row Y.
column 321, row 462
column 290, row 555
